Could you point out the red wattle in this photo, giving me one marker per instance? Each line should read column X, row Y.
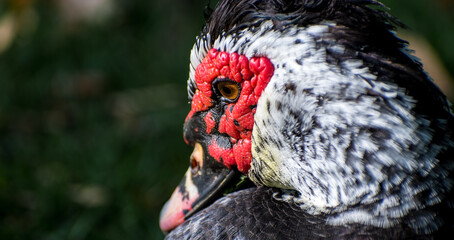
column 237, row 121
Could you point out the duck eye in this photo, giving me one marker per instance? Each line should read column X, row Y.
column 228, row 89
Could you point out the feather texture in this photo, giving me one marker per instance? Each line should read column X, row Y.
column 255, row 214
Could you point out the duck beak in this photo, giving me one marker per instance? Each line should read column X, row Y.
column 205, row 181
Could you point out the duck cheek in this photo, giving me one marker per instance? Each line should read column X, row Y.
column 180, row 203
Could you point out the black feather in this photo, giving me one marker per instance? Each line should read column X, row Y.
column 255, row 214
column 237, row 15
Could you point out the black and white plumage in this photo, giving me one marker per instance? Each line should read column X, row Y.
column 351, row 139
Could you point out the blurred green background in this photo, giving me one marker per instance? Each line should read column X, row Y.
column 92, row 102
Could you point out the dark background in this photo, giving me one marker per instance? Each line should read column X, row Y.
column 92, row 102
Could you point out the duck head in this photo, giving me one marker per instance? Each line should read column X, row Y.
column 224, row 92
column 321, row 100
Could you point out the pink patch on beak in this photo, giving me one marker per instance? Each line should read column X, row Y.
column 173, row 212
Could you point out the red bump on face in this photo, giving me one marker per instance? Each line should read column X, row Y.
column 237, row 120
column 242, row 153
column 223, row 155
column 210, row 123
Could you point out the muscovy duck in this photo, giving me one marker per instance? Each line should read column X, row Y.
column 311, row 120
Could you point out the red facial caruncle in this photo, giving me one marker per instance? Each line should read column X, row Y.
column 237, row 118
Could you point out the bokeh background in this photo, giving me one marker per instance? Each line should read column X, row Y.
column 92, row 102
